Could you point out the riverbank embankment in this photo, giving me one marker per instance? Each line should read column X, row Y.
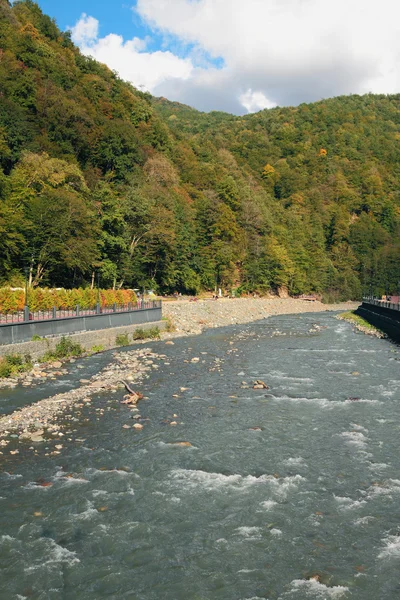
column 193, row 317
column 187, row 318
column 106, row 339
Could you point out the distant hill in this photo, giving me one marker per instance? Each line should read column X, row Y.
column 97, row 176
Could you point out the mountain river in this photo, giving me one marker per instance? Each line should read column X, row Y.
column 291, row 492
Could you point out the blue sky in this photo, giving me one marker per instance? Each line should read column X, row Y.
column 113, row 16
column 241, row 55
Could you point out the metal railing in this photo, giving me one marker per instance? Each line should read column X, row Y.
column 384, row 303
column 27, row 315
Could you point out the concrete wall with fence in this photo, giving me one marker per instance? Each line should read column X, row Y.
column 24, row 331
column 104, row 339
column 383, row 316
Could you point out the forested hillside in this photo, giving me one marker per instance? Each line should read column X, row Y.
column 96, row 176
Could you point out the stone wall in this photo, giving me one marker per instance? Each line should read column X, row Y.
column 88, row 339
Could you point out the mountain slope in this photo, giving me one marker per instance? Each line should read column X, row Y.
column 98, row 176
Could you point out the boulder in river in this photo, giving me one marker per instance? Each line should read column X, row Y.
column 260, row 385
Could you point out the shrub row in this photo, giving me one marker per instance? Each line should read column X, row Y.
column 45, row 298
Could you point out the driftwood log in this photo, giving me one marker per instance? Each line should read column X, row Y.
column 128, row 388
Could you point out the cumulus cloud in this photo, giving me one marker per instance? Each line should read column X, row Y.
column 85, row 31
column 146, row 70
column 268, row 52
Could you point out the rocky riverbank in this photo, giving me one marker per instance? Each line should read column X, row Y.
column 360, row 324
column 193, row 317
column 38, row 421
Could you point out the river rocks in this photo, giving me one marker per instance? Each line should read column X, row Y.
column 181, row 444
column 173, row 423
column 126, row 426
column 45, row 413
column 169, row 343
column 195, row 359
column 98, row 384
column 57, row 364
column 194, row 317
column 138, row 426
column 260, row 385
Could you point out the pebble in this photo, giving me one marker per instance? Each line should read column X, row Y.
column 182, row 444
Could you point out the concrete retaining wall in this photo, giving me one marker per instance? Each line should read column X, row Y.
column 88, row 339
column 386, row 319
column 24, row 332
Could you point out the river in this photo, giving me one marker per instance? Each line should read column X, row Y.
column 286, row 493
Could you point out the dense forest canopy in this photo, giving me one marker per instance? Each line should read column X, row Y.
column 97, row 176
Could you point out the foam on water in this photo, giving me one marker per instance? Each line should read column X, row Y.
column 284, row 376
column 277, row 532
column 69, row 479
column 364, row 520
column 268, row 504
column 297, row 461
column 387, row 488
column 56, row 555
column 391, row 547
column 348, row 503
column 11, row 475
column 247, row 570
column 355, row 438
column 377, row 467
column 314, row 590
column 194, row 479
column 121, row 472
column 89, row 513
column 323, row 402
column 358, row 427
column 250, row 533
column 96, row 493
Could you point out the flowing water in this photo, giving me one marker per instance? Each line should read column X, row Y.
column 305, row 506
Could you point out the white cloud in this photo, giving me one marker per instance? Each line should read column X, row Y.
column 273, row 51
column 144, row 69
column 289, row 51
column 85, row 31
column 254, row 101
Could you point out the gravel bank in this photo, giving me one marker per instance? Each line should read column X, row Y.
column 194, row 317
column 33, row 421
column 36, row 422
